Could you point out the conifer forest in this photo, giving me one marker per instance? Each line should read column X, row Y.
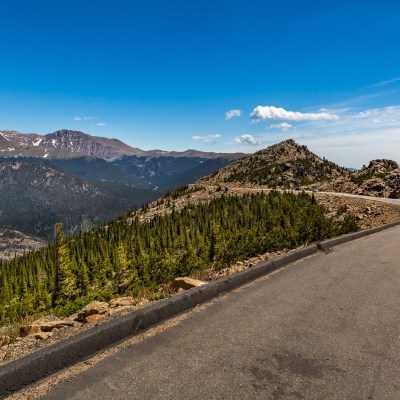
column 128, row 255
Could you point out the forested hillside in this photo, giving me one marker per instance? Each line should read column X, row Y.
column 130, row 254
column 167, row 172
column 35, row 196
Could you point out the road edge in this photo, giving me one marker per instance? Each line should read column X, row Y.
column 29, row 369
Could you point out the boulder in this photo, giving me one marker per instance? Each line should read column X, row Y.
column 187, row 283
column 42, row 335
column 92, row 318
column 121, row 302
column 95, row 307
column 27, row 330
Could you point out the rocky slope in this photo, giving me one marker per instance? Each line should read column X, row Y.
column 14, row 243
column 381, row 178
column 78, row 142
column 284, row 165
column 288, row 165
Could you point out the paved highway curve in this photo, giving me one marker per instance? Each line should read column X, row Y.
column 326, row 327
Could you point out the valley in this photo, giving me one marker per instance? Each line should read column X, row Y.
column 82, row 181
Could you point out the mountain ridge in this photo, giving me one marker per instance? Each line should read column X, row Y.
column 66, row 142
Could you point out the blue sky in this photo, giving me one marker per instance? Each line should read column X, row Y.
column 163, row 74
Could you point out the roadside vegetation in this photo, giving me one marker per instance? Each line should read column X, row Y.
column 129, row 256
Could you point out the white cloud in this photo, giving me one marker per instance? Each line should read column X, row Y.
column 83, row 118
column 207, row 138
column 385, row 114
column 271, row 112
column 246, row 138
column 101, row 124
column 353, row 140
column 233, row 113
column 387, row 82
column 284, row 126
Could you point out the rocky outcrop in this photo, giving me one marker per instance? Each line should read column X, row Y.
column 381, row 178
column 380, row 166
column 393, row 184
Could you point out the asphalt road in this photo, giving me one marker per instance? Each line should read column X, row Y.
column 326, row 327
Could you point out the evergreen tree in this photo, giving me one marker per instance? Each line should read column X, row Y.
column 130, row 255
column 65, row 287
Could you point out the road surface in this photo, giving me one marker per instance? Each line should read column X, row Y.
column 326, row 327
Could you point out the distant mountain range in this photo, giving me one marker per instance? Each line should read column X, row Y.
column 67, row 143
column 86, row 155
column 81, row 180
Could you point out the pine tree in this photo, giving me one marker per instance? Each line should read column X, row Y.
column 121, row 274
column 65, row 287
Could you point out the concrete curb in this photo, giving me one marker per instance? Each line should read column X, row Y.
column 353, row 236
column 30, row 369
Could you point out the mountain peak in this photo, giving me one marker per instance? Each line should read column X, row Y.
column 286, row 164
column 79, row 142
column 285, row 151
column 67, row 132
